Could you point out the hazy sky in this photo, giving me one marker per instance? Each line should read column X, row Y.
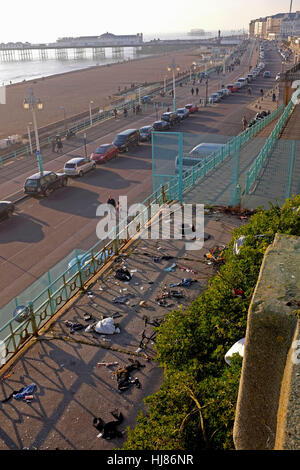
column 46, row 20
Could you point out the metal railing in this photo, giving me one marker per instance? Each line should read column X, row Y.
column 264, row 153
column 199, row 171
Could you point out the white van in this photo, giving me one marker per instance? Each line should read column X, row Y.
column 197, row 154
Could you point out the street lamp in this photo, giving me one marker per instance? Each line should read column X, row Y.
column 90, row 107
column 29, row 137
column 32, row 103
column 172, row 68
column 63, row 108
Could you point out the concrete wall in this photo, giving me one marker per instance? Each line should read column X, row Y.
column 271, row 328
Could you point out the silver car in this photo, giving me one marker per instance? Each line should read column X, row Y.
column 79, row 166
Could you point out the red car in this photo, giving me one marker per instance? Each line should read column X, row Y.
column 232, row 88
column 104, row 153
column 193, row 108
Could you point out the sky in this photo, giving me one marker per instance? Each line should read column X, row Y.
column 44, row 21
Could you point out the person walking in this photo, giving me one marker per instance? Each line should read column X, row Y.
column 273, row 97
column 244, row 122
column 125, row 112
column 113, row 206
column 197, row 91
column 115, row 113
column 59, row 145
column 53, row 144
column 261, row 92
column 192, row 91
column 249, row 91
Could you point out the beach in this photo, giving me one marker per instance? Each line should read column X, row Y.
column 75, row 90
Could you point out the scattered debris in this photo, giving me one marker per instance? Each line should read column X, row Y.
column 123, row 375
column 187, row 269
column 186, row 282
column 238, row 293
column 123, row 274
column 74, row 326
column 171, row 268
column 25, row 393
column 123, row 299
column 215, row 255
column 107, row 364
column 106, row 327
column 238, row 244
column 109, row 430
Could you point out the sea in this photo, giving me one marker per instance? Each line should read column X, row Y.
column 18, row 71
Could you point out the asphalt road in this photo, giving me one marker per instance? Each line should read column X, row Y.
column 44, row 231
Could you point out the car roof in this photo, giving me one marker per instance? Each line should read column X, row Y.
column 5, row 202
column 146, row 127
column 76, row 160
column 158, row 122
column 207, row 146
column 103, row 145
column 181, row 109
column 127, row 131
column 37, row 176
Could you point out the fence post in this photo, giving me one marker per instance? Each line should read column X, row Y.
column 290, row 171
column 33, row 322
column 180, row 155
column 79, row 268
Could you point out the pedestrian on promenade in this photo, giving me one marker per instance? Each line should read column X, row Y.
column 273, row 97
column 125, row 112
column 249, row 91
column 113, row 206
column 115, row 113
column 53, row 143
column 59, row 145
column 261, row 92
column 134, row 109
column 197, row 91
column 192, row 91
column 244, row 122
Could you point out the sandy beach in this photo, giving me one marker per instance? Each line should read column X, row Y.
column 74, row 90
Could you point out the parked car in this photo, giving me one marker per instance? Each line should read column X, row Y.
column 232, row 88
column 226, row 92
column 193, row 108
column 79, row 166
column 104, row 152
column 41, row 184
column 161, row 125
column 250, row 77
column 267, row 74
column 126, row 139
column 146, row 133
column 214, row 98
column 6, row 209
column 220, row 93
column 243, row 81
column 238, row 85
column 171, row 117
column 182, row 113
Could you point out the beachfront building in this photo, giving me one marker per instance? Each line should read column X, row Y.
column 260, row 28
column 290, row 25
column 102, row 40
column 274, row 25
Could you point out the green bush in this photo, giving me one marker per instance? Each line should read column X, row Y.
column 194, row 408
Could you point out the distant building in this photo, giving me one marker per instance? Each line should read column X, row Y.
column 290, row 25
column 103, row 39
column 275, row 26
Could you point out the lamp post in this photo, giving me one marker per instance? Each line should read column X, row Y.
column 64, row 110
column 29, row 137
column 172, row 68
column 90, row 108
column 32, row 103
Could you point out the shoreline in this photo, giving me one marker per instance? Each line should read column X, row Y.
column 76, row 88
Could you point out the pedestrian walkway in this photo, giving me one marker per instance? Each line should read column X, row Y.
column 280, row 177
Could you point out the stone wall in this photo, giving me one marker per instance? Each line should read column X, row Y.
column 269, row 377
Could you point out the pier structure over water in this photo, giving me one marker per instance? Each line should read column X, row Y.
column 18, row 51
